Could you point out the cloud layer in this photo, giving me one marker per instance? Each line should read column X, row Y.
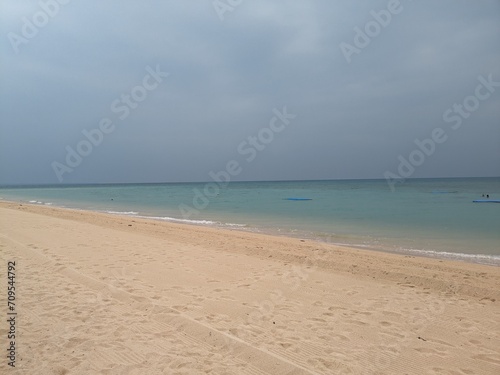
column 225, row 78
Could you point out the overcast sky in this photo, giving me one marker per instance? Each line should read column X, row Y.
column 360, row 102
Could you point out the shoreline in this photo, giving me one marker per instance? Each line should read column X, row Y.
column 319, row 253
column 127, row 295
column 483, row 259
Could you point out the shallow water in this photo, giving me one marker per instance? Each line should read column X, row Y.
column 431, row 217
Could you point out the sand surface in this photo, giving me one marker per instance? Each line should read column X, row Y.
column 104, row 294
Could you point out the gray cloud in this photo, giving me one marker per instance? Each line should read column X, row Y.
column 353, row 119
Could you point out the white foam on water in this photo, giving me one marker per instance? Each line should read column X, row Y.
column 122, row 212
column 197, row 222
column 487, row 259
column 475, row 258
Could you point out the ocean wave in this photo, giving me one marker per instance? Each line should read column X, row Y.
column 476, row 258
column 40, row 202
column 122, row 212
column 197, row 222
column 234, row 225
column 487, row 259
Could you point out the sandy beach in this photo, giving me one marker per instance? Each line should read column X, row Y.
column 106, row 294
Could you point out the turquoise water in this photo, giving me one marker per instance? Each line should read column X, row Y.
column 432, row 217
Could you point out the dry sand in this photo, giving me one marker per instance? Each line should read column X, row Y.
column 104, row 294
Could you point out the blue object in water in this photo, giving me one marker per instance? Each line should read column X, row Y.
column 486, row 201
column 298, row 199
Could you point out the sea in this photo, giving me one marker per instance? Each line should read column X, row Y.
column 419, row 217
